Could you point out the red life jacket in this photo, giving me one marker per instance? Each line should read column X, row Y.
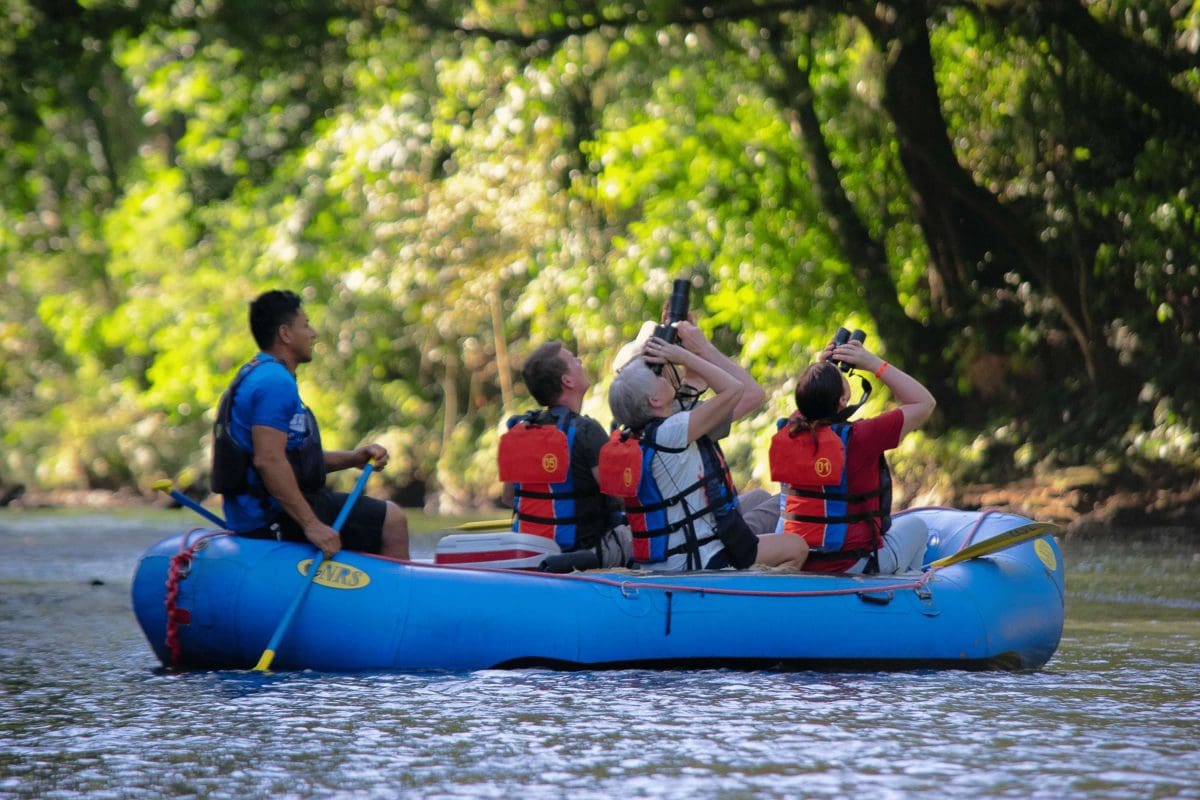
column 625, row 461
column 817, row 504
column 535, row 456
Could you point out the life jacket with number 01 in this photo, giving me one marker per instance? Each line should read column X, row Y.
column 816, row 503
column 625, row 472
column 535, row 456
column 232, row 466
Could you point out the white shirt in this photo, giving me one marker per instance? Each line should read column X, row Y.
column 674, row 472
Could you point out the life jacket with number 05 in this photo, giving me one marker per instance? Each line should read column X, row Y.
column 535, row 456
column 625, row 472
column 816, row 503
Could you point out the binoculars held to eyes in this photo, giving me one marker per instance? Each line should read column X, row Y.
column 677, row 311
column 841, row 337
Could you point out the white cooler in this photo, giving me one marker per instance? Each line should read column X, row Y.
column 495, row 549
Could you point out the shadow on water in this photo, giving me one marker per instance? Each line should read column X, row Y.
column 85, row 711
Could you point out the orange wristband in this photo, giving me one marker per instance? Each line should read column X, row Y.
column 882, row 369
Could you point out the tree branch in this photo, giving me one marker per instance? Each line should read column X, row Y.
column 684, row 14
column 1142, row 69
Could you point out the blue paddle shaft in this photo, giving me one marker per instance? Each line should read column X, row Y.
column 268, row 655
column 184, row 500
column 353, row 498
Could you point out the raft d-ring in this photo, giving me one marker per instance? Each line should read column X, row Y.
column 628, row 591
column 925, row 598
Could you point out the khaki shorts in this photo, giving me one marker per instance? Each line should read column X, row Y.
column 616, row 547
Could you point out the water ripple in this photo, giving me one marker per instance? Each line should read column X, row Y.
column 84, row 713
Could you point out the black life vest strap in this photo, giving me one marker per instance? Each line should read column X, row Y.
column 841, row 555
column 542, row 416
column 670, row 501
column 691, row 545
column 545, row 495
column 686, row 546
column 645, row 436
column 850, row 410
column 859, row 517
column 817, row 494
column 548, row 520
column 667, row 530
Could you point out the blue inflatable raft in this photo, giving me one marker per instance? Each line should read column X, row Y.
column 209, row 600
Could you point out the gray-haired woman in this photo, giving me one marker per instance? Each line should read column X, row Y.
column 686, row 515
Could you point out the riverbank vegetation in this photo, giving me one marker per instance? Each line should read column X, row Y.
column 1001, row 194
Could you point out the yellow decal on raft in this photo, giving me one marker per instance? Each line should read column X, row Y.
column 336, row 575
column 1046, row 553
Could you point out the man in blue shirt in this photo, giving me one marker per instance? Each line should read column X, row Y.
column 267, row 456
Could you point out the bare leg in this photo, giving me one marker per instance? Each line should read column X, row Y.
column 395, row 533
column 782, row 550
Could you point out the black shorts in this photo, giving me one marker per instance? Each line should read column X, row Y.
column 741, row 545
column 362, row 531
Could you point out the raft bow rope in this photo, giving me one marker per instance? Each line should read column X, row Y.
column 181, row 565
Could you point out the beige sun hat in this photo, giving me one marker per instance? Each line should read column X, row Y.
column 631, row 350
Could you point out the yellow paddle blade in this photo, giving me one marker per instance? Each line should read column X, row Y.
column 485, row 525
column 163, row 485
column 1003, row 541
column 264, row 663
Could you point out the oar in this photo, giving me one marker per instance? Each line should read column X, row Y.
column 485, row 525
column 264, row 663
column 179, row 497
column 1003, row 541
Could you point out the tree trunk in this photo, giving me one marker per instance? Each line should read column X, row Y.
column 973, row 239
column 867, row 256
column 503, row 369
column 449, row 397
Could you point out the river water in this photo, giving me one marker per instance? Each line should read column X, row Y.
column 85, row 711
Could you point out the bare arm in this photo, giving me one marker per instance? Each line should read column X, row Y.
column 336, row 460
column 270, row 459
column 915, row 400
column 693, row 339
column 714, row 411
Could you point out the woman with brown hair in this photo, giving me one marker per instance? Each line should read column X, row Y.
column 836, row 482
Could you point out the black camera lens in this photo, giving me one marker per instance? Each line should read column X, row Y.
column 677, row 311
column 677, row 305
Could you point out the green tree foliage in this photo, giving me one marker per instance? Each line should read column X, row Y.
column 1001, row 193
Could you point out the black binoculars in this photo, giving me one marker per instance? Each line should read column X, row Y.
column 841, row 337
column 677, row 311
